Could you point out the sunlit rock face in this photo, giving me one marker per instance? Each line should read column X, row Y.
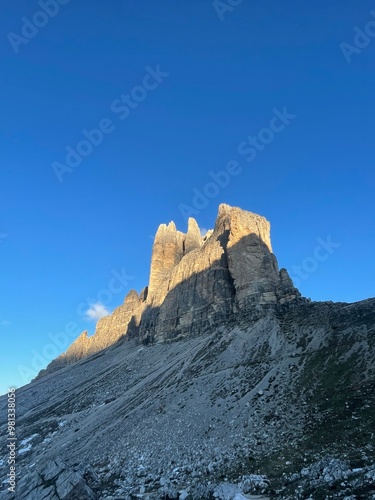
column 196, row 284
column 124, row 320
column 170, row 246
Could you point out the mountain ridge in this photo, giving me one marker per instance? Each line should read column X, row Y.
column 186, row 273
column 227, row 384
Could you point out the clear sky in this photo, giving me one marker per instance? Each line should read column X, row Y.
column 180, row 90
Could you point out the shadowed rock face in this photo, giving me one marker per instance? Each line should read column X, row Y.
column 196, row 284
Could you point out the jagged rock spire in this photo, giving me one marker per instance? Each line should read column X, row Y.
column 169, row 248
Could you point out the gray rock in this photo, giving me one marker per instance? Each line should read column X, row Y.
column 55, row 481
column 254, row 483
column 200, row 491
column 226, row 491
column 183, row 495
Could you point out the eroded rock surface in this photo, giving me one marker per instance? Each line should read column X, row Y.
column 56, row 481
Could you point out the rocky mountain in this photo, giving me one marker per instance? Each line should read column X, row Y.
column 196, row 284
column 217, row 381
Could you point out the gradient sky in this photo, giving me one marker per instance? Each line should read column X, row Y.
column 224, row 73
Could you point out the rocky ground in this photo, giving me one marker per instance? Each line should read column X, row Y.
column 281, row 406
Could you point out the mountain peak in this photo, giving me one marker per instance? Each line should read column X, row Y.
column 197, row 283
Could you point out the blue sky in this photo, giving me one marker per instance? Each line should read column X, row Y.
column 72, row 244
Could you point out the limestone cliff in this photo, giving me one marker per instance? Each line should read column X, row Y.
column 196, row 284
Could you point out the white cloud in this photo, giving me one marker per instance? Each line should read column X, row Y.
column 96, row 311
